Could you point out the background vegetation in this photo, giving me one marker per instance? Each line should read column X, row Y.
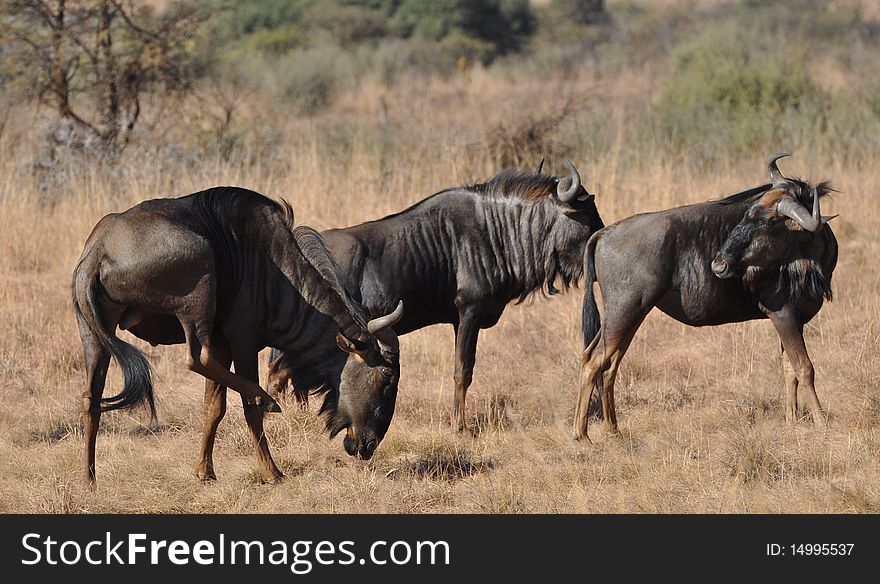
column 355, row 108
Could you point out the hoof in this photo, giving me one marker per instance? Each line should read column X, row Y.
column 268, row 405
column 581, row 437
column 272, row 479
column 206, row 476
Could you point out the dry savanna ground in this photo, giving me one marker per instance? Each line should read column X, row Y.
column 700, row 409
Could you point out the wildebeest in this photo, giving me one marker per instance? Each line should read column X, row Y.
column 461, row 255
column 224, row 271
column 762, row 253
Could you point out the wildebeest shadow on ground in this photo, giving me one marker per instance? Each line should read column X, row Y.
column 155, row 429
column 53, row 434
column 447, row 462
column 288, row 467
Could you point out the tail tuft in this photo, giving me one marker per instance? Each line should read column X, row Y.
column 590, row 314
column 136, row 372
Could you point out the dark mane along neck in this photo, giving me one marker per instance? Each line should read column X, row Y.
column 800, row 188
column 745, row 197
column 526, row 236
column 515, row 184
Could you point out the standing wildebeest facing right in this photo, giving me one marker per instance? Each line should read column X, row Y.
column 757, row 254
column 225, row 272
column 461, row 255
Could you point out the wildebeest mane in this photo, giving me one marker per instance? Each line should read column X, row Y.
column 747, row 196
column 511, row 183
column 541, row 273
column 800, row 189
column 230, row 206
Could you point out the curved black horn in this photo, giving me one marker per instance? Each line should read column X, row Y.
column 540, row 167
column 776, row 176
column 791, row 207
column 566, row 195
column 380, row 327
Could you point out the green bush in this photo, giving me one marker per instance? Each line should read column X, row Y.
column 274, row 42
column 582, row 11
column 502, row 23
column 239, row 18
column 733, row 85
column 347, row 24
column 310, row 78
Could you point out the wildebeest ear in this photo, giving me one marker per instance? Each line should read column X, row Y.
column 351, row 345
column 771, row 198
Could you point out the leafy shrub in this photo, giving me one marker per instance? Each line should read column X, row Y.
column 274, row 42
column 732, row 85
column 347, row 24
column 310, row 78
column 243, row 17
column 502, row 23
column 582, row 11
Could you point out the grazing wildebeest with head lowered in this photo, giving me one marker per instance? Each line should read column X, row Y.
column 461, row 255
column 224, row 271
column 763, row 253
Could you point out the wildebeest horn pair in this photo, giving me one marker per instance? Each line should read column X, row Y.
column 380, row 328
column 790, row 206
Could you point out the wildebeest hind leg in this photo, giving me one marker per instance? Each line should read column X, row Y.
column 214, row 410
column 591, row 363
column 246, row 366
column 609, row 376
column 201, row 359
column 97, row 360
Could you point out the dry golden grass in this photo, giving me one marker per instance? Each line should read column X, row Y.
column 701, row 421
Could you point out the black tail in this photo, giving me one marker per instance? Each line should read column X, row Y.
column 137, row 375
column 590, row 312
column 590, row 315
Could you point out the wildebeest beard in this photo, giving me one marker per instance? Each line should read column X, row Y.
column 335, row 421
column 535, row 245
column 800, row 278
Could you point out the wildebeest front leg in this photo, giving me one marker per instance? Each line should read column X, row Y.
column 791, row 333
column 202, row 360
column 246, row 366
column 791, row 389
column 214, row 410
column 466, row 333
